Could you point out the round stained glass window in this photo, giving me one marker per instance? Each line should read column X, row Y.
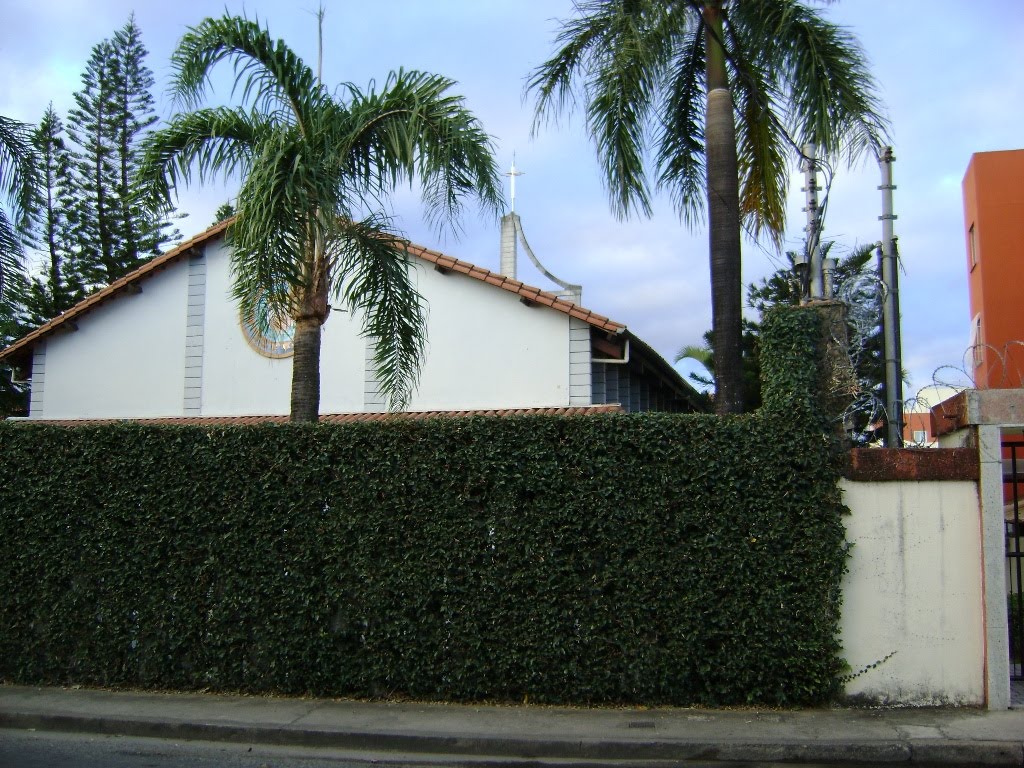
column 277, row 339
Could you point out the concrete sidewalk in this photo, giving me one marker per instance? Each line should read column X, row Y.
column 451, row 734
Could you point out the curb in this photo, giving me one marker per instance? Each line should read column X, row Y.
column 497, row 751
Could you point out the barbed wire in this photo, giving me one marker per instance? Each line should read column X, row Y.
column 959, row 378
column 864, row 415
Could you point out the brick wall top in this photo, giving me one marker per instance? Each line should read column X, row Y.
column 903, row 464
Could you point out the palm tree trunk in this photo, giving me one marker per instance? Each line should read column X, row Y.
column 724, row 220
column 305, row 406
column 313, row 310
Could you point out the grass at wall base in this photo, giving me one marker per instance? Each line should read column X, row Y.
column 633, row 559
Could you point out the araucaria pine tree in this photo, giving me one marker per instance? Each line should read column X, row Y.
column 141, row 229
column 89, row 125
column 62, row 284
column 114, row 229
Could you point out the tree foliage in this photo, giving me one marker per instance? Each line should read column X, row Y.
column 698, row 94
column 13, row 392
column 62, row 284
column 783, row 288
column 19, row 190
column 116, row 228
column 19, row 184
column 316, row 172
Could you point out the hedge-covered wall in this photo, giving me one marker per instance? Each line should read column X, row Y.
column 626, row 558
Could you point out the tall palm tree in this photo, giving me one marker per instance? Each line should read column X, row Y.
column 718, row 93
column 19, row 185
column 316, row 171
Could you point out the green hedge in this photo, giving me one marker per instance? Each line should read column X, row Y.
column 630, row 558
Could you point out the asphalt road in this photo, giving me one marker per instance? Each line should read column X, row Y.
column 50, row 749
column 47, row 749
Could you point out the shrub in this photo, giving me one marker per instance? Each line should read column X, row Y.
column 620, row 558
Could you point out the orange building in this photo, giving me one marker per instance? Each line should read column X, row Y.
column 919, row 427
column 993, row 191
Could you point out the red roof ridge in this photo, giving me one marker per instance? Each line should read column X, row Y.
column 333, row 418
column 526, row 292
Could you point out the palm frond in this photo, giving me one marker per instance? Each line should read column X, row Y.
column 681, row 137
column 19, row 185
column 267, row 71
column 823, row 71
column 415, row 128
column 208, row 141
column 10, row 253
column 18, row 169
column 552, row 81
column 374, row 279
column 275, row 232
column 622, row 51
column 702, row 354
column 761, row 138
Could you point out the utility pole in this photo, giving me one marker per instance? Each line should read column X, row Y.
column 890, row 309
column 814, row 286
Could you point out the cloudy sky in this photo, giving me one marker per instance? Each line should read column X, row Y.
column 951, row 74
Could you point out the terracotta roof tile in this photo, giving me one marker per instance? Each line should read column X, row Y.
column 334, row 418
column 528, row 292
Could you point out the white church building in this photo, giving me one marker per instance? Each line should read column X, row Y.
column 166, row 342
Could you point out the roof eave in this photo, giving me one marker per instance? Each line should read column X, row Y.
column 21, row 350
column 670, row 374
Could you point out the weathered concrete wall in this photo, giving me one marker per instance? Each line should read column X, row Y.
column 913, row 598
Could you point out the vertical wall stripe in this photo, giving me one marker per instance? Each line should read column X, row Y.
column 579, row 363
column 35, row 403
column 373, row 400
column 194, row 328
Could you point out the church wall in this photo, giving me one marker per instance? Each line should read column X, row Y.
column 178, row 348
column 487, row 349
column 238, row 380
column 127, row 357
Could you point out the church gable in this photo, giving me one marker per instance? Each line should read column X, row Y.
column 166, row 341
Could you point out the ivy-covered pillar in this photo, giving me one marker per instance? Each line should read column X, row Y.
column 805, row 362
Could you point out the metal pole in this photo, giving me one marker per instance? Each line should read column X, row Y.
column 890, row 310
column 810, row 168
column 828, row 274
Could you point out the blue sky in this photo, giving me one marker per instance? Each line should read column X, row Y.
column 950, row 73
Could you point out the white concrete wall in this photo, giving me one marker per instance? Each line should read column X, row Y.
column 914, row 590
column 486, row 349
column 127, row 357
column 238, row 381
